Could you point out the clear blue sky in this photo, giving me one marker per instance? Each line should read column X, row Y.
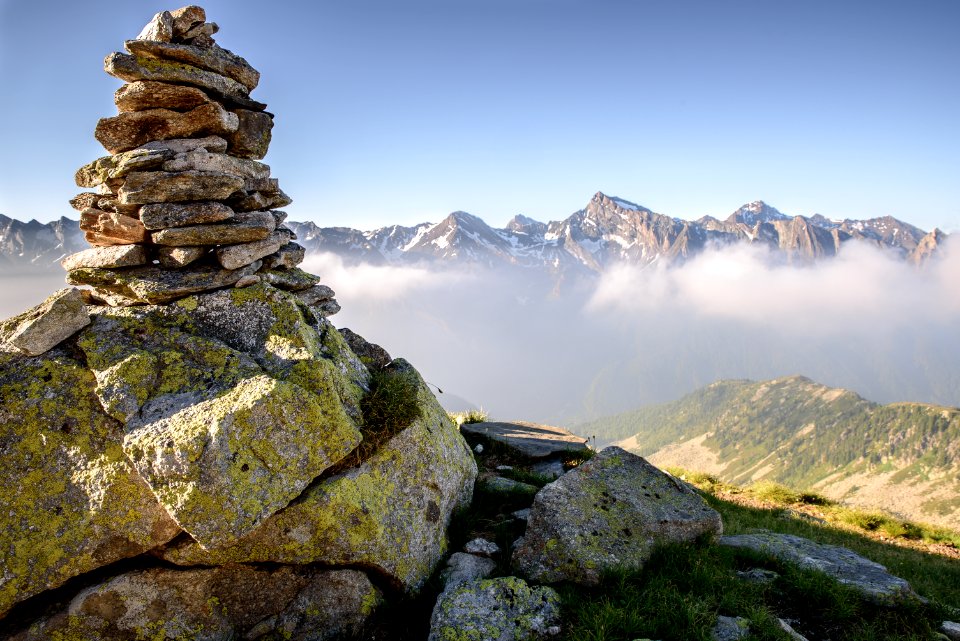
column 403, row 111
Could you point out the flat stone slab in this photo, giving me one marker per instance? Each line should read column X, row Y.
column 132, row 129
column 867, row 577
column 106, row 257
column 530, row 439
column 50, row 322
column 612, row 511
column 155, row 286
column 215, row 59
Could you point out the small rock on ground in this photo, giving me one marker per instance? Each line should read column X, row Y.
column 758, row 575
column 951, row 630
column 730, row 629
column 481, row 547
column 502, row 609
column 463, row 568
column 501, row 484
column 793, row 634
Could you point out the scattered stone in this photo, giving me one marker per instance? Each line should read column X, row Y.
column 48, row 324
column 505, row 609
column 867, row 577
column 215, row 59
column 758, row 575
column 478, row 448
column 501, row 484
column 504, row 468
column 730, row 629
column 288, row 257
column 551, row 468
column 155, row 286
column 522, row 515
column 951, row 630
column 236, row 256
column 114, row 256
column 462, row 568
column 132, row 68
column 147, row 94
column 165, row 215
column 327, row 308
column 252, row 136
column 108, row 228
column 177, row 257
column 793, row 634
column 159, row 29
column 481, row 547
column 163, row 186
column 530, row 439
column 132, row 129
column 612, row 510
column 319, row 294
column 230, row 602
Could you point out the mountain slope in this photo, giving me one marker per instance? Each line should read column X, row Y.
column 37, row 247
column 904, row 456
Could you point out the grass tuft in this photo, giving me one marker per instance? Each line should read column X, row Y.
column 470, row 416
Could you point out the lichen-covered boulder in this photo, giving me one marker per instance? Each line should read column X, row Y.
column 72, row 502
column 391, row 512
column 612, row 511
column 503, row 609
column 230, row 602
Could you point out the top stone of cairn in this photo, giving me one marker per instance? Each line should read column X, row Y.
column 182, row 203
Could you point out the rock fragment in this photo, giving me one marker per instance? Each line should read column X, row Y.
column 49, row 323
column 106, row 257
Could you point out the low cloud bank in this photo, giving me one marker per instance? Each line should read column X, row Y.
column 506, row 340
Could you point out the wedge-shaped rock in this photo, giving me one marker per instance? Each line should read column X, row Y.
column 48, row 324
column 529, row 439
column 71, row 500
column 220, row 61
column 177, row 257
column 253, row 134
column 231, row 602
column 215, row 144
column 131, row 68
column 108, row 168
column 166, row 215
column 390, row 513
column 85, row 200
column 201, row 160
column 159, row 29
column 612, row 511
column 287, row 257
column 222, row 465
column 143, row 187
column 501, row 608
column 108, row 228
column 154, row 286
column 243, row 228
column 108, row 257
column 867, row 577
column 186, row 18
column 135, row 128
column 144, row 94
column 236, row 256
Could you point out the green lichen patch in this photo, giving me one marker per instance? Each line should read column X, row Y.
column 72, row 501
column 501, row 608
column 391, row 512
column 220, row 465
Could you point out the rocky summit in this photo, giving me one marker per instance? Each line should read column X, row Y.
column 183, row 203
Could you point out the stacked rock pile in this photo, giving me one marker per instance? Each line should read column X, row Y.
column 183, row 204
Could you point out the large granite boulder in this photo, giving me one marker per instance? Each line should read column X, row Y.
column 612, row 511
column 391, row 512
column 229, row 602
column 72, row 501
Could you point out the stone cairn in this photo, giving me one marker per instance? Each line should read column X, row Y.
column 182, row 204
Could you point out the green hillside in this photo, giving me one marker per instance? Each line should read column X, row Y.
column 795, row 431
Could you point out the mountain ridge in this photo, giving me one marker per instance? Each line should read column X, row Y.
column 793, row 430
column 608, row 230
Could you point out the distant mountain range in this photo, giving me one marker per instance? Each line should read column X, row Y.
column 607, row 231
column 903, row 456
